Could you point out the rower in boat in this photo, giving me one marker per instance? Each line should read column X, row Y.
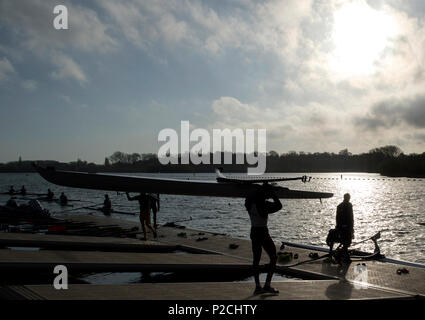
column 12, row 190
column 23, row 191
column 63, row 199
column 145, row 204
column 50, row 195
column 107, row 205
column 344, row 230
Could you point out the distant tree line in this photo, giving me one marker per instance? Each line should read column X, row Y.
column 388, row 160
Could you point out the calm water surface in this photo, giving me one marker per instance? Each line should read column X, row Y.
column 393, row 206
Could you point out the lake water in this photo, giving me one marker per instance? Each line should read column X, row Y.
column 393, row 206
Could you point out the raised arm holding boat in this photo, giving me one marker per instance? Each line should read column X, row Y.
column 145, row 204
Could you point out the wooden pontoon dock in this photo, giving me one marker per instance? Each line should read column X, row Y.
column 180, row 249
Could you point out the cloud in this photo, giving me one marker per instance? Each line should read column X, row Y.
column 395, row 112
column 234, row 112
column 30, row 85
column 267, row 64
column 31, row 21
column 420, row 137
column 144, row 24
column 289, row 127
column 65, row 98
column 229, row 112
column 6, row 69
column 248, row 25
column 415, row 112
column 67, row 68
column 30, row 24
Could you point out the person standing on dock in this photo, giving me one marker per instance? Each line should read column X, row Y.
column 145, row 205
column 344, row 230
column 259, row 209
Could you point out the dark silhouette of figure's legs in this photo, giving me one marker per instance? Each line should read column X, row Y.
column 261, row 239
column 149, row 225
column 270, row 248
column 256, row 253
column 331, row 248
column 344, row 253
column 145, row 220
column 143, row 223
column 154, row 211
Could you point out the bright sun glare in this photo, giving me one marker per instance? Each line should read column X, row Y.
column 360, row 35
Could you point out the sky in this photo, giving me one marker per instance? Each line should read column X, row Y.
column 318, row 75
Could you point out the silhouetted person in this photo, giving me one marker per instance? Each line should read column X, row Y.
column 11, row 203
column 145, row 205
column 12, row 190
column 154, row 207
column 258, row 210
column 107, row 205
column 50, row 195
column 23, row 190
column 63, row 199
column 344, row 230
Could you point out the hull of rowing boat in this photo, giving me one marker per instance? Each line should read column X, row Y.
column 122, row 183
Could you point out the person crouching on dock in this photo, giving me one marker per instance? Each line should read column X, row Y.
column 145, row 204
column 259, row 209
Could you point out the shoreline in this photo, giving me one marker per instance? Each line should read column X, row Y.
column 409, row 176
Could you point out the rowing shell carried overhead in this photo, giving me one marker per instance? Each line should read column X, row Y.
column 222, row 187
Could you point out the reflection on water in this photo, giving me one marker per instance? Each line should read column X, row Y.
column 394, row 206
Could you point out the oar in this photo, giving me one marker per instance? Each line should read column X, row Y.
column 85, row 207
column 376, row 236
column 177, row 221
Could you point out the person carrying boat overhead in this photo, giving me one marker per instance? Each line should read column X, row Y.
column 63, row 199
column 344, row 229
column 107, row 205
column 259, row 209
column 145, row 205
